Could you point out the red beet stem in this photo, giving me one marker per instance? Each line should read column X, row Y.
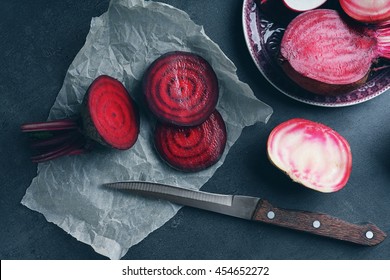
column 64, row 149
column 52, row 141
column 64, row 124
column 380, row 68
column 77, row 151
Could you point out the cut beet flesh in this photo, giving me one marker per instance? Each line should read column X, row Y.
column 370, row 11
column 327, row 55
column 108, row 116
column 181, row 88
column 297, row 5
column 311, row 153
column 192, row 148
column 305, row 5
column 112, row 113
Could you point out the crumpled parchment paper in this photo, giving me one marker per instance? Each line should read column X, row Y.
column 122, row 43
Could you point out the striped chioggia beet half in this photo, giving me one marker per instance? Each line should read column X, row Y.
column 311, row 154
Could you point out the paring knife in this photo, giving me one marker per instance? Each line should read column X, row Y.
column 257, row 209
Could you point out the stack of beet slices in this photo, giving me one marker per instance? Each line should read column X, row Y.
column 181, row 90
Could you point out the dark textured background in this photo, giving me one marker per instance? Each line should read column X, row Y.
column 38, row 42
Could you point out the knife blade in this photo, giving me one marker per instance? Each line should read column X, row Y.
column 258, row 209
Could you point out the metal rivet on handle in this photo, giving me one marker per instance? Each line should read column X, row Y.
column 316, row 224
column 369, row 234
column 271, row 215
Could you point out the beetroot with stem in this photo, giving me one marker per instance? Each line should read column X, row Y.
column 325, row 54
column 311, row 153
column 192, row 148
column 108, row 116
column 181, row 88
column 370, row 11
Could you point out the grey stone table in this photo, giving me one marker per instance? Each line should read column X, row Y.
column 39, row 40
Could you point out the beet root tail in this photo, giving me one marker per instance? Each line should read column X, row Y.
column 65, row 124
column 54, row 139
column 63, row 150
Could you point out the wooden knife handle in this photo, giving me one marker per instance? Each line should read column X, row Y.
column 320, row 224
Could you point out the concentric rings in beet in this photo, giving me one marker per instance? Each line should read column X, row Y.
column 112, row 112
column 181, row 88
column 193, row 148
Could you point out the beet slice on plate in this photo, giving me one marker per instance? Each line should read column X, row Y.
column 108, row 116
column 192, row 148
column 311, row 153
column 181, row 88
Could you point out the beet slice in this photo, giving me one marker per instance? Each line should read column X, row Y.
column 108, row 116
column 311, row 153
column 193, row 148
column 181, row 88
column 325, row 54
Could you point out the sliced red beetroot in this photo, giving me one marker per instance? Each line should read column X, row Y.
column 108, row 116
column 327, row 55
column 181, row 88
column 192, row 148
column 311, row 153
column 369, row 11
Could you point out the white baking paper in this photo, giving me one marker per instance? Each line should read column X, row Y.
column 122, row 43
